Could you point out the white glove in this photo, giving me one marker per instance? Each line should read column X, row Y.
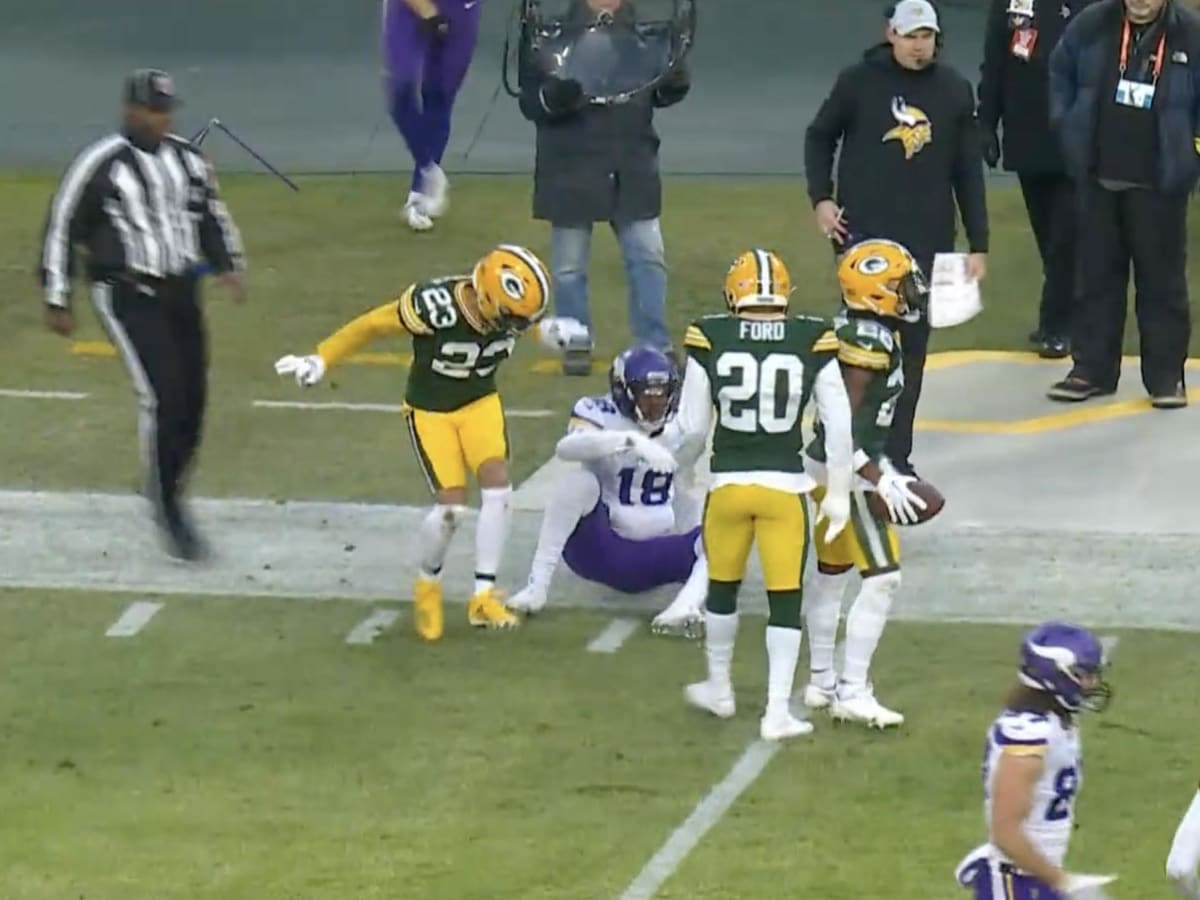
column 835, row 508
column 308, row 370
column 901, row 502
column 653, row 454
column 558, row 333
column 1085, row 887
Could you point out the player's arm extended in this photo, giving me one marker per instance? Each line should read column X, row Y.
column 833, row 406
column 858, row 379
column 1017, row 774
column 694, row 418
column 392, row 319
column 587, row 442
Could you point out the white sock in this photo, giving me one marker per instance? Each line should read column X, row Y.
column 1184, row 857
column 491, row 533
column 689, row 510
column 575, row 495
column 437, row 530
column 865, row 623
column 720, row 636
column 783, row 651
column 822, row 611
column 695, row 590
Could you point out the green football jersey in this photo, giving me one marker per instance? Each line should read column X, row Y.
column 762, row 373
column 454, row 359
column 868, row 344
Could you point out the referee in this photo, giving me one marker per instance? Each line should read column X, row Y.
column 144, row 204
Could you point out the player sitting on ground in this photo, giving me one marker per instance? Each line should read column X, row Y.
column 881, row 285
column 757, row 367
column 463, row 327
column 618, row 519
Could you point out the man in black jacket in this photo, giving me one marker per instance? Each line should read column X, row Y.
column 1014, row 93
column 600, row 164
column 909, row 150
column 1125, row 101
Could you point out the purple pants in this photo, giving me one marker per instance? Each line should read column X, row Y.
column 595, row 552
column 999, row 881
column 424, row 74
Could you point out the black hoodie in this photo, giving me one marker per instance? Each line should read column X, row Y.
column 909, row 148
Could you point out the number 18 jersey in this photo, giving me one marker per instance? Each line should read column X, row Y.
column 761, row 373
column 455, row 357
column 1052, row 815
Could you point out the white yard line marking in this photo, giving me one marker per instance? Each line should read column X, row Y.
column 134, row 619
column 379, row 407
column 42, row 395
column 706, row 814
column 612, row 637
column 372, row 626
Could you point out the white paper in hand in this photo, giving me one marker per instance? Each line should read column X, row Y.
column 953, row 296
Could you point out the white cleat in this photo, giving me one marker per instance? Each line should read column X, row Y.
column 817, row 697
column 781, row 726
column 435, row 190
column 703, row 695
column 680, row 619
column 414, row 213
column 529, row 600
column 861, row 706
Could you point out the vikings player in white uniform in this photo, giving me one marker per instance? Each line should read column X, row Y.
column 1184, row 858
column 1032, row 772
column 618, row 519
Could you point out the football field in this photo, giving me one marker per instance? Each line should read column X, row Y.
column 269, row 726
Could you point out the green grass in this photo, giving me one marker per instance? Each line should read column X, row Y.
column 240, row 749
column 321, row 256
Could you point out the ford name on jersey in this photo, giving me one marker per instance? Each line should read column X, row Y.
column 639, row 499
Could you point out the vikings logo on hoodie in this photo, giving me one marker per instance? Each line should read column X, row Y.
column 913, row 130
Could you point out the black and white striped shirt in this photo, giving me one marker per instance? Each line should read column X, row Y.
column 147, row 213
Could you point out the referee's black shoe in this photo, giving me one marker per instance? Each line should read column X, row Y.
column 181, row 538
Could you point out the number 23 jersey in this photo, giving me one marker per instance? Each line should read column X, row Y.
column 1052, row 815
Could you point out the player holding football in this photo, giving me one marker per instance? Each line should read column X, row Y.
column 1032, row 772
column 758, row 366
column 881, row 285
column 618, row 519
column 1184, row 857
column 462, row 327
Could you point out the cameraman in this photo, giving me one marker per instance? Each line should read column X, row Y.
column 600, row 164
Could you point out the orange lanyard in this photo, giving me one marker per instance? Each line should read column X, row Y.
column 1159, row 56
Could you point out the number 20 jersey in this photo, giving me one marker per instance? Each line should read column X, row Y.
column 1052, row 815
column 762, row 373
column 639, row 500
column 455, row 357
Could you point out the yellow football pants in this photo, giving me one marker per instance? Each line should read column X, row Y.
column 448, row 444
column 869, row 542
column 739, row 515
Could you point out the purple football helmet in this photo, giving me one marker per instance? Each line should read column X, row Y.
column 645, row 387
column 1056, row 656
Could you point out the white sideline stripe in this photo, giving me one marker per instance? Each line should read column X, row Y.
column 134, row 619
column 612, row 637
column 1109, row 643
column 372, row 626
column 706, row 814
column 42, row 395
column 535, row 491
column 381, row 407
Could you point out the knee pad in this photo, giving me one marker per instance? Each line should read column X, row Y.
column 878, row 592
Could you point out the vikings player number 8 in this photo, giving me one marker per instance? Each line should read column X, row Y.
column 752, row 402
column 655, row 487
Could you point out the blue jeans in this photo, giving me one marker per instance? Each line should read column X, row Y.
column 642, row 250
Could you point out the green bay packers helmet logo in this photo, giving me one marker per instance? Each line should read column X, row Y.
column 872, row 265
column 913, row 129
column 512, row 284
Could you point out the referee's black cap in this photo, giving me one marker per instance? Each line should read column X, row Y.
column 151, row 88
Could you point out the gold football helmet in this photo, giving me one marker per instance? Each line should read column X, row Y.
column 758, row 280
column 882, row 278
column 512, row 288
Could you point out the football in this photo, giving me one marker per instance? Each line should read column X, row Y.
column 934, row 501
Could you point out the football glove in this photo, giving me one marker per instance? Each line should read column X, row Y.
column 902, row 503
column 559, row 333
column 835, row 509
column 308, row 370
column 653, row 454
column 1085, row 887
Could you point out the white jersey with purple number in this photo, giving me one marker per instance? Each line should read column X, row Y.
column 1052, row 815
column 639, row 499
